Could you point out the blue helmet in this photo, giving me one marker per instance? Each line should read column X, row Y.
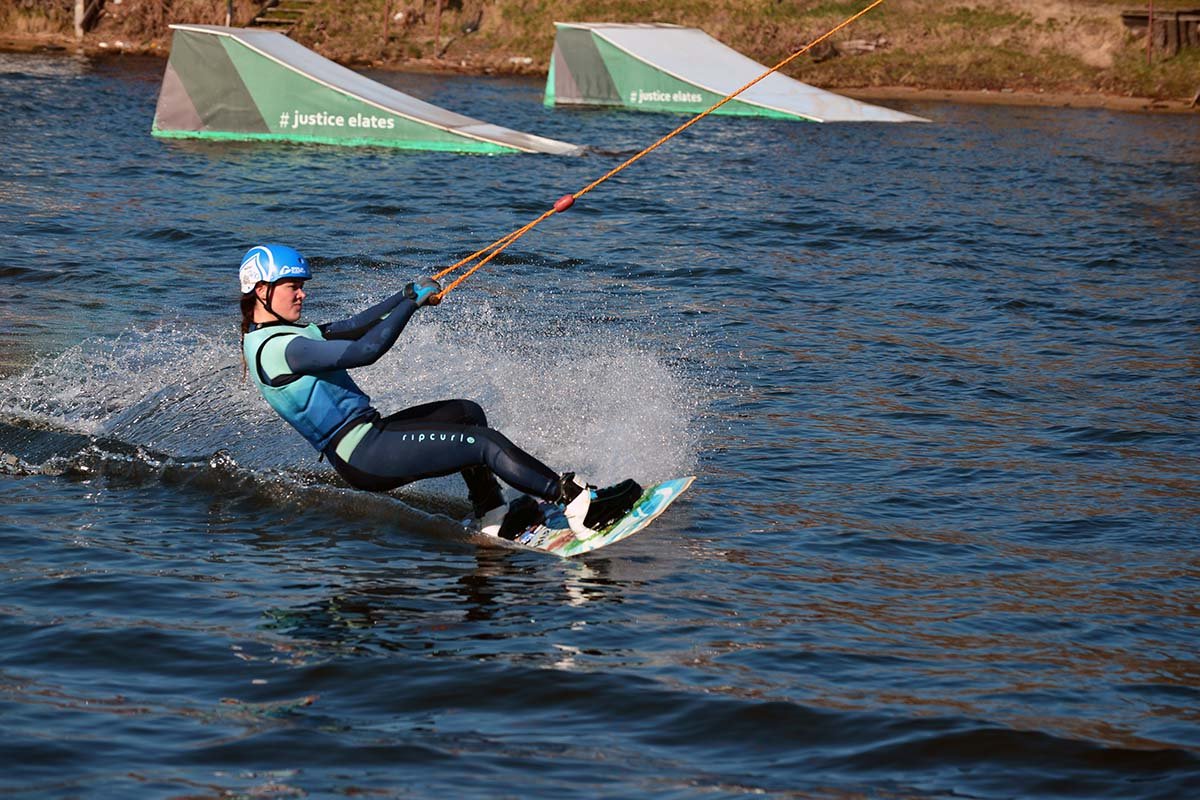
column 270, row 263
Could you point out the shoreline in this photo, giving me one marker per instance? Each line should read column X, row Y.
column 1014, row 97
column 55, row 44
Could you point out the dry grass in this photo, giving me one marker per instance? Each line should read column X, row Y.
column 147, row 20
column 141, row 24
column 35, row 19
column 1075, row 46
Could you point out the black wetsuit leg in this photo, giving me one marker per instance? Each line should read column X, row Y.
column 442, row 438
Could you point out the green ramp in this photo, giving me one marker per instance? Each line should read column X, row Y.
column 668, row 68
column 253, row 84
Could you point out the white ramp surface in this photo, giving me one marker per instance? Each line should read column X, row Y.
column 691, row 56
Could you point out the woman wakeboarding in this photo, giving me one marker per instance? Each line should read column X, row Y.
column 301, row 370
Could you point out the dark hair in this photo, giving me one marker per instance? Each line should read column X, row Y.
column 247, row 320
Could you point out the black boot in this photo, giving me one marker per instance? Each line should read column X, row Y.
column 523, row 514
column 612, row 503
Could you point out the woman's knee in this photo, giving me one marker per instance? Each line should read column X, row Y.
column 472, row 413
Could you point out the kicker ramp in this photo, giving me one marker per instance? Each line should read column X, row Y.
column 252, row 84
column 659, row 67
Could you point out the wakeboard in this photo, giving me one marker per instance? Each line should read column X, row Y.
column 554, row 535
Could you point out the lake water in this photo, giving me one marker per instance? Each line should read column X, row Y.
column 939, row 385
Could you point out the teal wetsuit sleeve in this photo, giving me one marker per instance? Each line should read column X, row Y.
column 360, row 323
column 312, row 356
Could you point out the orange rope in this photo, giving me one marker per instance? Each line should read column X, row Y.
column 495, row 248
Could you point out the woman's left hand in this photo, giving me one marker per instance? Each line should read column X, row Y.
column 425, row 291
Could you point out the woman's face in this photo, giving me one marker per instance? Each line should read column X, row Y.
column 288, row 298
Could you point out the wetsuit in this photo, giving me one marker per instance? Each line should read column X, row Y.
column 301, row 371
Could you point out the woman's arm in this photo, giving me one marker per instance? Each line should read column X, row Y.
column 309, row 356
column 361, row 322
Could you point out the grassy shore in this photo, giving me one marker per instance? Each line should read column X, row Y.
column 1037, row 51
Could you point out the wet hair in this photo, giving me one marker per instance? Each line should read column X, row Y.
column 247, row 320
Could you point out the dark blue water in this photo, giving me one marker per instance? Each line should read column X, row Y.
column 939, row 384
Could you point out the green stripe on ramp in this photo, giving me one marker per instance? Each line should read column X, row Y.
column 211, row 80
column 646, row 88
column 301, row 109
column 461, row 146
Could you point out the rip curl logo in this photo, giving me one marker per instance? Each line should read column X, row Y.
column 459, row 438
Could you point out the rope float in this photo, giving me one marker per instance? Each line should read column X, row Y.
column 486, row 254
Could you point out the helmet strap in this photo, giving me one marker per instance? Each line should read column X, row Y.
column 267, row 303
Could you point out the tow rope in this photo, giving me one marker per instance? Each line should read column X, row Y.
column 494, row 249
